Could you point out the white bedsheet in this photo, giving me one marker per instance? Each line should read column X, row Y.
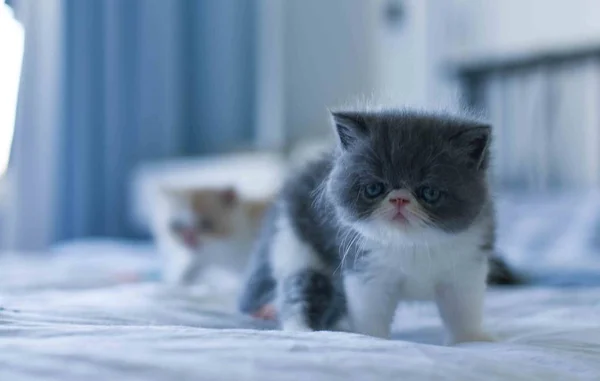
column 70, row 316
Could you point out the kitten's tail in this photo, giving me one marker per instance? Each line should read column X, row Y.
column 502, row 274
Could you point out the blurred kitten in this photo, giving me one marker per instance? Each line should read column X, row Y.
column 197, row 228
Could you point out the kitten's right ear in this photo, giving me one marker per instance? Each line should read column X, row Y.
column 474, row 141
column 349, row 127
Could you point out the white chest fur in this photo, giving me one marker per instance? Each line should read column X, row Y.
column 417, row 269
column 452, row 272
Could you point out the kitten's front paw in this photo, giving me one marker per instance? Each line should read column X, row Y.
column 469, row 338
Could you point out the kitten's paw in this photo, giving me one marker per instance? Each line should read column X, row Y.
column 266, row 312
column 470, row 338
column 295, row 325
column 343, row 325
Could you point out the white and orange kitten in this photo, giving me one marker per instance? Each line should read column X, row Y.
column 201, row 227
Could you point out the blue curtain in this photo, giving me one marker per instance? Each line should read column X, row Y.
column 138, row 80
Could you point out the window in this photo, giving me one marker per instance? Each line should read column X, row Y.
column 11, row 51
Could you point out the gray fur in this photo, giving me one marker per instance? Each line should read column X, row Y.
column 397, row 148
column 409, row 150
column 313, row 294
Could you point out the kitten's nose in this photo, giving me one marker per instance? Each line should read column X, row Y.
column 399, row 201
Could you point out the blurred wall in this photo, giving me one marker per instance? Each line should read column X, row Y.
column 484, row 30
column 329, row 59
column 411, row 52
column 340, row 52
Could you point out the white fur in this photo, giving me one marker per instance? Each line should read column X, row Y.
column 290, row 255
column 451, row 273
column 371, row 303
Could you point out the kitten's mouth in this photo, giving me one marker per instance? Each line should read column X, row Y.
column 399, row 217
column 189, row 237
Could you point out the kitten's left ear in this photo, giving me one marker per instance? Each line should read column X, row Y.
column 229, row 196
column 474, row 142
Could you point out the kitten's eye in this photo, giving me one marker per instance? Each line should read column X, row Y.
column 374, row 190
column 430, row 195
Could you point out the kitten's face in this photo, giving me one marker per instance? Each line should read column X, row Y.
column 201, row 216
column 408, row 176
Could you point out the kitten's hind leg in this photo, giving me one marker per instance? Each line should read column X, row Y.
column 305, row 300
column 304, row 291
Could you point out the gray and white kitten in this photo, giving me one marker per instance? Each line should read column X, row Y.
column 400, row 211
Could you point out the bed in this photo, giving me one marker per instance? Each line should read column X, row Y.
column 77, row 313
